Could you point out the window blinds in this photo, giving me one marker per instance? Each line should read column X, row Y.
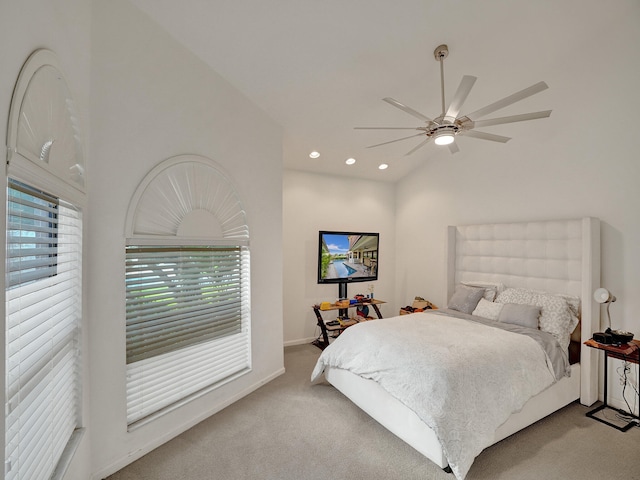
column 187, row 322
column 44, row 298
column 32, row 226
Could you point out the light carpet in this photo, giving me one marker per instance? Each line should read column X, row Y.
column 291, row 430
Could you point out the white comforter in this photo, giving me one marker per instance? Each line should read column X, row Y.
column 461, row 378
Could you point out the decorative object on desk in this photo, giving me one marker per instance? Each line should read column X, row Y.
column 419, row 305
column 621, row 337
column 609, row 336
column 325, row 306
column 604, row 338
column 346, row 321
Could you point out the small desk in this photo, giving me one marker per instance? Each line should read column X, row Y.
column 324, row 343
column 629, row 352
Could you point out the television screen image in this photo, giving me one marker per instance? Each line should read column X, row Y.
column 347, row 257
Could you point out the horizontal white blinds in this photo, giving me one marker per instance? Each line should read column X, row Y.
column 44, row 301
column 180, row 296
column 187, row 322
column 162, row 381
column 32, row 231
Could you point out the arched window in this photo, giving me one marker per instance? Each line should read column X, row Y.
column 187, row 286
column 43, row 281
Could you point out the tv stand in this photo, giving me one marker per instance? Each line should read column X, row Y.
column 324, row 328
column 342, row 290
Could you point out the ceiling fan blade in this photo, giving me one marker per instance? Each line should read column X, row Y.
column 516, row 97
column 513, row 118
column 420, row 145
column 396, row 140
column 404, row 108
column 485, row 136
column 459, row 97
column 386, row 128
column 453, row 147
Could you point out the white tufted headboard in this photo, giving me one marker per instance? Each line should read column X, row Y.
column 557, row 256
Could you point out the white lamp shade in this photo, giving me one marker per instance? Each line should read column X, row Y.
column 602, row 295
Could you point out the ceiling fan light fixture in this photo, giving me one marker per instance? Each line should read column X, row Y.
column 443, row 138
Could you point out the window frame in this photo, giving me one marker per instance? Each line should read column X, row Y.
column 51, row 307
column 188, row 201
column 43, row 113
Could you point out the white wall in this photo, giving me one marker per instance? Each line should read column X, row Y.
column 63, row 26
column 314, row 202
column 583, row 161
column 152, row 99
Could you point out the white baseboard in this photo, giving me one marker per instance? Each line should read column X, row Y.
column 302, row 341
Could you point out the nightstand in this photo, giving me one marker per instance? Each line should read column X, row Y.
column 629, row 352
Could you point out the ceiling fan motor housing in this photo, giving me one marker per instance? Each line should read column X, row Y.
column 441, row 52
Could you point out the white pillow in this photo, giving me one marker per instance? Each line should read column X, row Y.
column 491, row 289
column 556, row 317
column 487, row 309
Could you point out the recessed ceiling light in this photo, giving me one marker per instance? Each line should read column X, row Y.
column 383, row 166
column 350, row 161
column 314, row 154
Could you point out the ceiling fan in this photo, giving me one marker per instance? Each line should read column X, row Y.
column 450, row 123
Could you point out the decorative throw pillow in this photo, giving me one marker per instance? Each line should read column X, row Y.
column 523, row 315
column 487, row 309
column 465, row 299
column 555, row 315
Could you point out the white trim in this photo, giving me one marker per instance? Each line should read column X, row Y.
column 147, row 184
column 301, row 341
column 590, row 309
column 22, row 163
column 159, row 240
column 24, row 170
column 36, row 60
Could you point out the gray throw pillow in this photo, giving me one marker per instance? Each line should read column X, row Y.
column 523, row 315
column 465, row 299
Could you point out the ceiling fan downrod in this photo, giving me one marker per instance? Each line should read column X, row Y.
column 440, row 53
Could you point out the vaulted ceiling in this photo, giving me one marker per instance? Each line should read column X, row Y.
column 321, row 67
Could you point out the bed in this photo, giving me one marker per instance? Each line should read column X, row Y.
column 558, row 257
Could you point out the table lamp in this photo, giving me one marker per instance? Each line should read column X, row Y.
column 602, row 295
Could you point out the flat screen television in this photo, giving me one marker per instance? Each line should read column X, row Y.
column 346, row 257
